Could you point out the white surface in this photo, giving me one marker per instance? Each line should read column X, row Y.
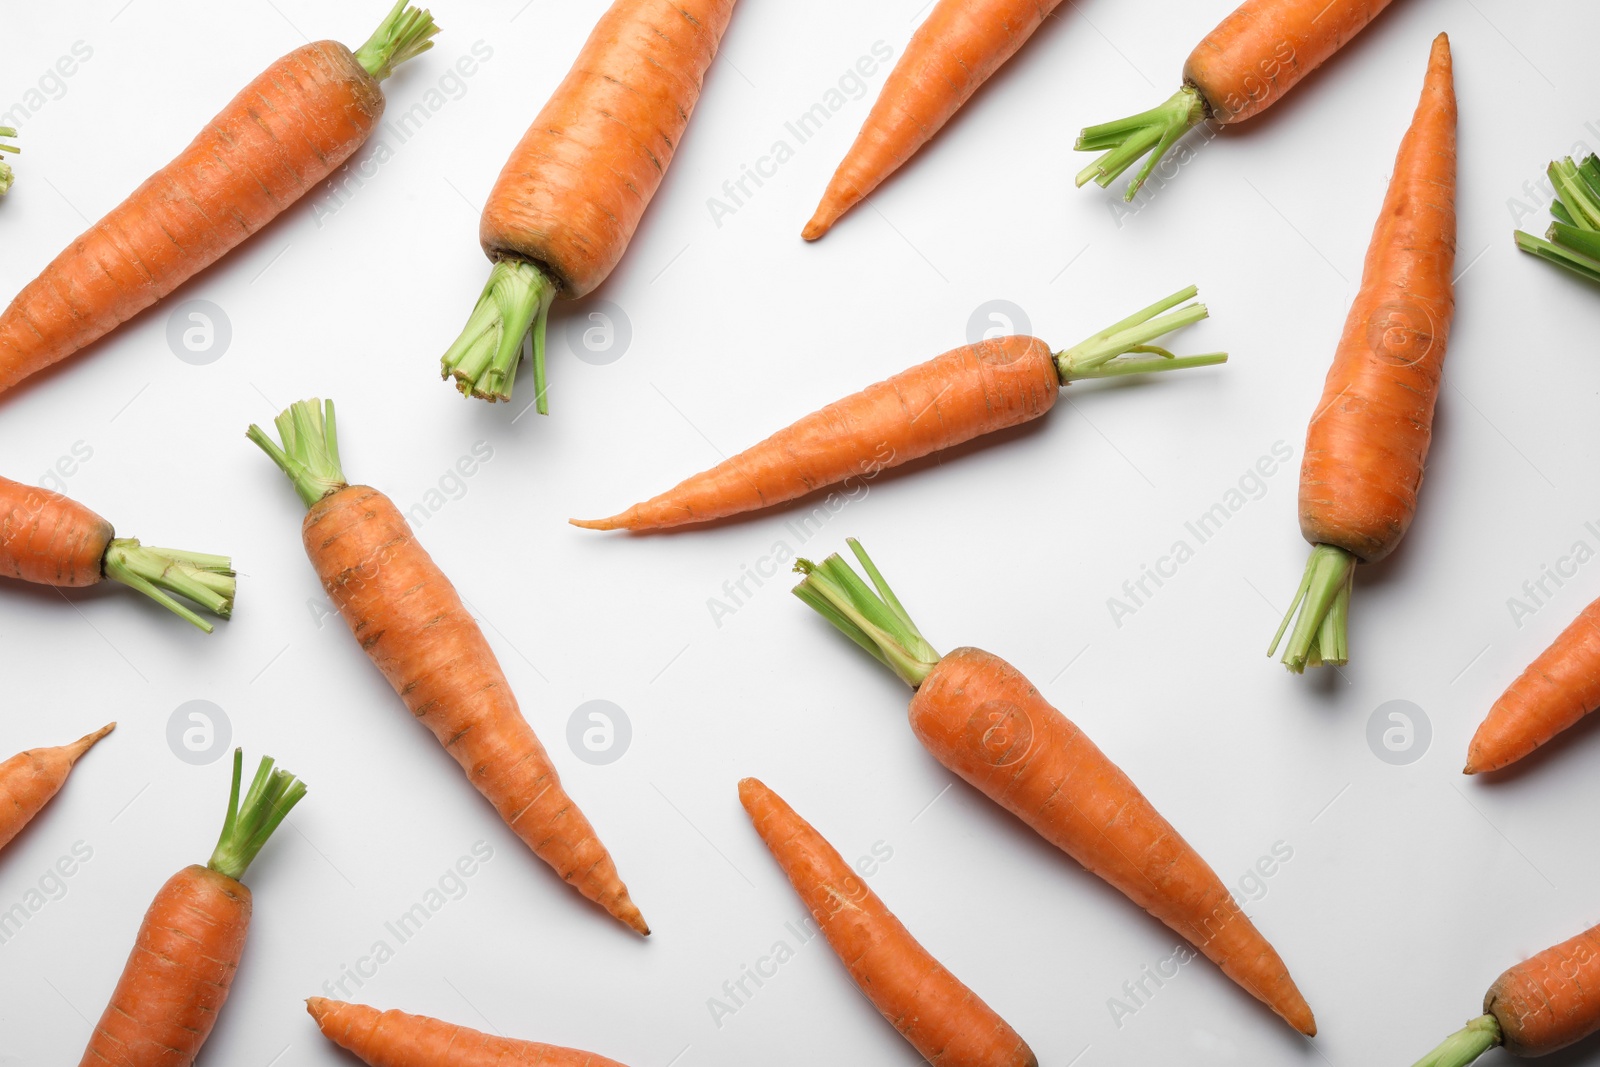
column 1410, row 887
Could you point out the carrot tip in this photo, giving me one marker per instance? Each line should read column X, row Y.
column 597, row 524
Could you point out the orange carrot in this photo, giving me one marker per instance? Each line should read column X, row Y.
column 944, row 1020
column 1368, row 439
column 982, row 719
column 290, row 128
column 955, row 50
column 1244, row 66
column 189, row 945
column 48, row 539
column 30, row 780
column 412, row 625
column 570, row 197
column 965, row 393
column 395, row 1039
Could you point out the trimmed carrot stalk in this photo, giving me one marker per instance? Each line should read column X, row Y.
column 982, row 719
column 30, row 780
column 1244, row 66
column 1368, row 440
column 955, row 50
column 942, row 1019
column 277, row 140
column 966, row 393
column 570, row 197
column 411, row 623
column 188, row 949
column 1573, row 239
column 6, row 176
column 395, row 1039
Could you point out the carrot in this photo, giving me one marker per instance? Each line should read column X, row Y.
column 188, row 949
column 414, row 628
column 967, row 392
column 1542, row 1004
column 1368, row 439
column 286, row 131
column 955, row 50
column 1573, row 239
column 982, row 719
column 48, row 539
column 1244, row 66
column 943, row 1019
column 566, row 205
column 395, row 1039
column 30, row 780
column 6, row 177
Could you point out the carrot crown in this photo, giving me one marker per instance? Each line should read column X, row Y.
column 873, row 618
column 1101, row 356
column 6, row 176
column 208, row 581
column 405, row 33
column 1323, row 602
column 1125, row 140
column 272, row 796
column 310, row 451
column 1573, row 240
column 511, row 310
column 1465, row 1045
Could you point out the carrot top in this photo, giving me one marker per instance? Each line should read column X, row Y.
column 1573, row 240
column 1101, row 356
column 1465, row 1045
column 5, row 170
column 405, row 33
column 875, row 620
column 512, row 310
column 1320, row 631
column 310, row 451
column 249, row 824
column 1152, row 131
column 207, row 580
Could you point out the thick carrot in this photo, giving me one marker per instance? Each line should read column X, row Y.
column 189, row 945
column 965, row 393
column 30, row 780
column 979, row 716
column 942, row 1019
column 955, row 50
column 283, row 134
column 6, row 177
column 395, row 1039
column 48, row 539
column 1368, row 439
column 1244, row 66
column 412, row 625
column 570, row 197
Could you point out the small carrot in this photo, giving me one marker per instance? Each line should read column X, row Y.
column 967, row 392
column 955, row 50
column 192, row 938
column 395, row 1039
column 977, row 715
column 570, row 197
column 412, row 625
column 1244, row 66
column 1368, row 439
column 48, row 539
column 942, row 1019
column 6, row 177
column 30, row 780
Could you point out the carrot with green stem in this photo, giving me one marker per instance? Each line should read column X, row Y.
column 967, row 392
column 30, row 780
column 395, row 1039
column 978, row 715
column 6, row 177
column 1573, row 239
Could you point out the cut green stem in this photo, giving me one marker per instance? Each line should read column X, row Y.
column 1100, row 356
column 872, row 617
column 249, row 824
column 514, row 306
column 310, row 451
column 206, row 580
column 405, row 33
column 1573, row 240
column 1465, row 1045
column 6, row 177
column 1126, row 140
column 1319, row 635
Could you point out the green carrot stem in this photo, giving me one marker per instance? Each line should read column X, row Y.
column 1573, row 240
column 1323, row 600
column 206, row 580
column 872, row 617
column 1465, row 1045
column 249, row 824
column 1125, row 140
column 514, row 305
column 1101, row 356
column 1577, row 262
column 405, row 33
column 6, row 176
column 310, row 451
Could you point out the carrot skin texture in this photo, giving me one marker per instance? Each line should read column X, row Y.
column 48, row 539
column 571, row 196
column 284, row 133
column 1557, row 689
column 1551, row 999
column 395, row 1039
column 983, row 720
column 30, row 780
column 942, row 1019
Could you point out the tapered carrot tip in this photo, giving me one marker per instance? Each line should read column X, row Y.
column 613, row 523
column 629, row 913
column 820, row 224
column 87, row 741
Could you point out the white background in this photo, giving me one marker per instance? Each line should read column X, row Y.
column 1410, row 887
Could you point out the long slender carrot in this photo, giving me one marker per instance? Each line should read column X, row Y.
column 412, row 625
column 1244, row 66
column 48, row 539
column 1368, row 439
column 570, row 197
column 395, row 1039
column 955, row 50
column 182, row 965
column 30, row 780
column 942, row 1019
column 965, row 393
column 980, row 717
column 286, row 131
column 6, row 176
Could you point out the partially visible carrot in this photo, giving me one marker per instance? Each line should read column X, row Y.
column 395, row 1039
column 6, row 177
column 30, row 780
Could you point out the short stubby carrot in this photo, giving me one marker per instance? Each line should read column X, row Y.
column 395, row 1039
column 1244, row 66
column 982, row 719
column 284, row 133
column 955, row 50
column 412, row 625
column 30, row 780
column 563, row 210
column 1368, row 439
column 188, row 949
column 942, row 1019
column 966, row 393
column 48, row 539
